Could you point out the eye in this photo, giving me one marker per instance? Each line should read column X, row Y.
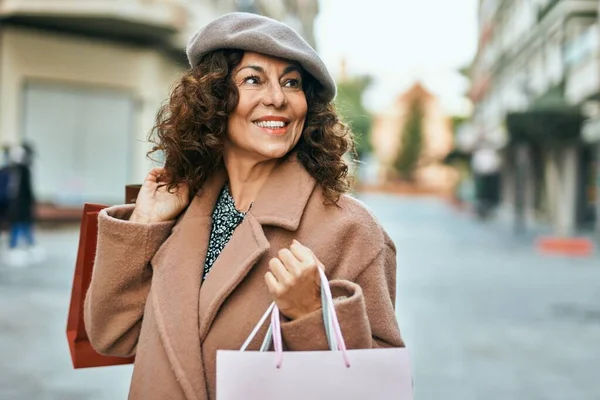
column 252, row 80
column 292, row 83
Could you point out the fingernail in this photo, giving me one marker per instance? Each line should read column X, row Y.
column 295, row 241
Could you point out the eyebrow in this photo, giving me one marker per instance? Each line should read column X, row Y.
column 287, row 70
column 291, row 68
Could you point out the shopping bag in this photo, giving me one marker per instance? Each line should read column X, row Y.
column 335, row 374
column 83, row 354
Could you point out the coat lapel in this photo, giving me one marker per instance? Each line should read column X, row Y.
column 280, row 203
column 176, row 285
column 246, row 246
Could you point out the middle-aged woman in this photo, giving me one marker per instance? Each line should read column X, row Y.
column 249, row 204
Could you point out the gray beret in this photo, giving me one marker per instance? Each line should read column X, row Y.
column 259, row 34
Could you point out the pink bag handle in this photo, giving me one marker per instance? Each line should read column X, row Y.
column 331, row 316
column 332, row 326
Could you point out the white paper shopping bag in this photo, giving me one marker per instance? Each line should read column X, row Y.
column 337, row 374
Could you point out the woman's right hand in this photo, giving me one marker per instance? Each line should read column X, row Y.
column 156, row 204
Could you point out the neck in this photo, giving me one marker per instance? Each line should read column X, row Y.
column 246, row 178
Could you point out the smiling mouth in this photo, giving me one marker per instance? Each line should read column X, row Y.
column 271, row 124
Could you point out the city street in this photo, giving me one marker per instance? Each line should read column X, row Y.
column 483, row 315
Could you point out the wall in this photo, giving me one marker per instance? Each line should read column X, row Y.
column 31, row 55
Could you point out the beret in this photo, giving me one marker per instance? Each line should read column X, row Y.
column 256, row 33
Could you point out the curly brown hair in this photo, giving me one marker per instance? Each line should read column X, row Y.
column 192, row 126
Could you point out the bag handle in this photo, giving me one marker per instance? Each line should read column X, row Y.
column 333, row 331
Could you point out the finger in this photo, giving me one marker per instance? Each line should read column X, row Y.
column 274, row 287
column 280, row 272
column 155, row 174
column 155, row 177
column 182, row 188
column 290, row 261
column 301, row 252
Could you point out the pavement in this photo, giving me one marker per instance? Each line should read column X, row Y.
column 483, row 314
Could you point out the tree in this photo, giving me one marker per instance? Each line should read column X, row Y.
column 412, row 142
column 456, row 121
column 349, row 102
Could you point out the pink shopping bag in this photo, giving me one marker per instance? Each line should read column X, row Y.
column 315, row 375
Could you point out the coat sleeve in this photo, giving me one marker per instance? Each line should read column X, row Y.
column 116, row 298
column 365, row 310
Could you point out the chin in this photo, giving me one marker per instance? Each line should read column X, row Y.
column 274, row 153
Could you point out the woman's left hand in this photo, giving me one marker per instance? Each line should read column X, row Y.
column 294, row 281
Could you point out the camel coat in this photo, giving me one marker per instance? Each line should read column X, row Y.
column 146, row 296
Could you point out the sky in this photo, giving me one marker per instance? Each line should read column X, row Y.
column 399, row 42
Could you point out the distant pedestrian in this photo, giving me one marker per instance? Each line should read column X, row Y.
column 4, row 184
column 21, row 207
column 486, row 169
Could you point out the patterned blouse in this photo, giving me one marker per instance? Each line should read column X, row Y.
column 225, row 219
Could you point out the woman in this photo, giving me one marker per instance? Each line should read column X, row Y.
column 250, row 135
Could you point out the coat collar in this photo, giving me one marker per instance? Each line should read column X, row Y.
column 280, row 202
column 185, row 312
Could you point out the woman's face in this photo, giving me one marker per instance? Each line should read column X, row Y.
column 269, row 118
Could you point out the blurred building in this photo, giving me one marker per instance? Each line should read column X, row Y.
column 535, row 90
column 299, row 14
column 82, row 80
column 437, row 138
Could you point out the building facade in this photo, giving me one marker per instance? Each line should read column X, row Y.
column 82, row 81
column 535, row 90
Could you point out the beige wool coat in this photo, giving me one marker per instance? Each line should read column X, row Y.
column 146, row 296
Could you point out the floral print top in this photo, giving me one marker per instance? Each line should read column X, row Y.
column 225, row 219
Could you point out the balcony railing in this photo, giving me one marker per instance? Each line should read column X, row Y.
column 140, row 20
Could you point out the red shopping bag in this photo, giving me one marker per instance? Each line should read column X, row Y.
column 83, row 354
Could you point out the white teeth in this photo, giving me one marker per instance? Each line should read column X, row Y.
column 270, row 124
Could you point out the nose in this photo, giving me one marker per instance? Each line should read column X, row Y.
column 274, row 96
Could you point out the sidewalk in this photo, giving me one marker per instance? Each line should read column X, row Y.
column 35, row 362
column 543, row 235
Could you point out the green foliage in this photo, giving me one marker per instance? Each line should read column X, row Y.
column 350, row 106
column 408, row 157
column 457, row 121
